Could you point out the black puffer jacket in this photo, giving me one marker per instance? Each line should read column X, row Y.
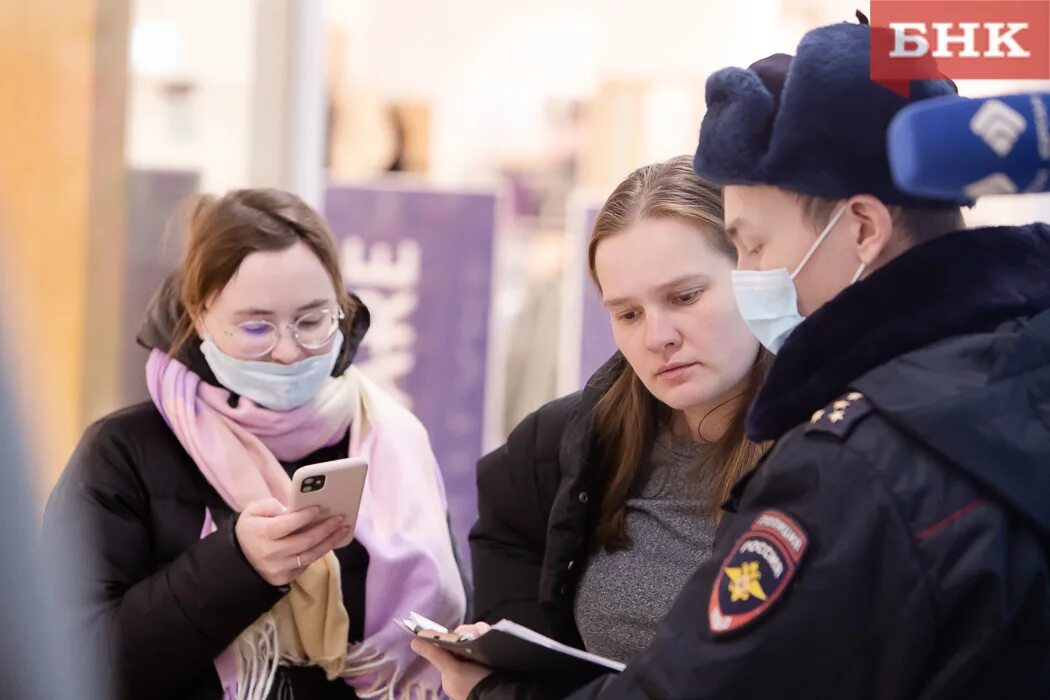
column 534, row 498
column 159, row 602
column 895, row 543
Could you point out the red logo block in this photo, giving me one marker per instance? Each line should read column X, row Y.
column 967, row 39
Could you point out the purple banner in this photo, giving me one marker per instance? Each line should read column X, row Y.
column 596, row 340
column 586, row 336
column 422, row 263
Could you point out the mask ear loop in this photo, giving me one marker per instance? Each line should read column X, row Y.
column 860, row 271
column 820, row 239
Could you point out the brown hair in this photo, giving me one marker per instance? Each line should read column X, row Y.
column 627, row 417
column 916, row 224
column 223, row 231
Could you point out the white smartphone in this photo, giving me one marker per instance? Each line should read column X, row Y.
column 335, row 487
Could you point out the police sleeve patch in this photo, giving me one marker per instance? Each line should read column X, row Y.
column 756, row 572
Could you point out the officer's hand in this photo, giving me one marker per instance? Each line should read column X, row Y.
column 458, row 677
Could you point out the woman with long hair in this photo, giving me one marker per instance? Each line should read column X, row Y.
column 601, row 504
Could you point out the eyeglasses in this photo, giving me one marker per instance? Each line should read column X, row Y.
column 311, row 331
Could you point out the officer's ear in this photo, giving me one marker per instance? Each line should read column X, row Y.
column 872, row 224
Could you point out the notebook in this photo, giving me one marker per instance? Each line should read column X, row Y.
column 508, row 646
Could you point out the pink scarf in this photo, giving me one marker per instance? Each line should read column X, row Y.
column 402, row 523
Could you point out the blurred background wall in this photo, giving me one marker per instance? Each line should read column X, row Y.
column 62, row 204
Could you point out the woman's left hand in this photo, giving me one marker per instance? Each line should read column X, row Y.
column 458, row 677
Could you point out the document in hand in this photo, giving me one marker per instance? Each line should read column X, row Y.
column 508, row 646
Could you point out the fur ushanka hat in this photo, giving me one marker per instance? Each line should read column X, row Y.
column 814, row 123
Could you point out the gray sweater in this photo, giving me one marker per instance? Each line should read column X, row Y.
column 623, row 596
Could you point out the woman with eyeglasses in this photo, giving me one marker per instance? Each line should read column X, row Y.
column 202, row 584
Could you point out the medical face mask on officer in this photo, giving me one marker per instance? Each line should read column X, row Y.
column 768, row 300
column 273, row 385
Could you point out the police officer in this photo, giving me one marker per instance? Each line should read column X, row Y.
column 894, row 543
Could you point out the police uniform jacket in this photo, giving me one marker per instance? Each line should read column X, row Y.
column 894, row 542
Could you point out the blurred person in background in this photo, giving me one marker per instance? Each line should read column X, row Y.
column 37, row 661
column 200, row 583
column 602, row 504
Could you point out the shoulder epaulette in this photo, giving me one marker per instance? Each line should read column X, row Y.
column 841, row 415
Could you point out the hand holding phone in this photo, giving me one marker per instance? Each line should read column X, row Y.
column 334, row 487
column 279, row 544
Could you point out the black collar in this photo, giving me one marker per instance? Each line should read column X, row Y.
column 964, row 282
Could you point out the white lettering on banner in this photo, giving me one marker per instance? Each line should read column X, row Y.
column 387, row 280
column 399, row 306
column 901, row 37
column 995, row 40
column 910, row 39
column 968, row 39
column 764, row 550
column 384, row 267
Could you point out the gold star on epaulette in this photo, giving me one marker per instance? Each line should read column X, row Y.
column 840, row 415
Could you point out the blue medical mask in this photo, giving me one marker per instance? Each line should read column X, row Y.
column 768, row 300
column 272, row 385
